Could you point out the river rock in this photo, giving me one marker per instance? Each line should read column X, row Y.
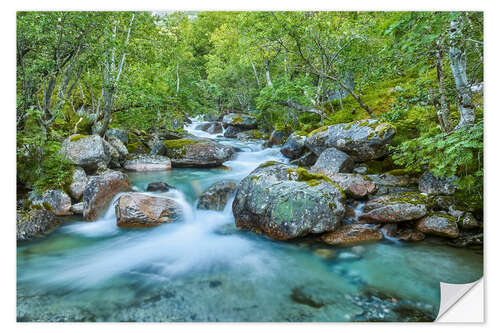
column 240, row 120
column 430, row 184
column 352, row 234
column 361, row 170
column 468, row 221
column 278, row 137
column 115, row 161
column 120, row 148
column 249, row 135
column 395, row 208
column 87, row 151
column 34, row 222
column 285, row 203
column 78, row 183
column 294, row 146
column 354, row 186
column 119, row 134
column 217, row 195
column 333, row 160
column 214, row 128
column 77, row 208
column 158, row 187
column 56, row 201
column 444, row 226
column 231, row 132
column 137, row 210
column 307, row 160
column 156, row 146
column 363, row 140
column 196, row 152
column 100, row 190
column 148, row 163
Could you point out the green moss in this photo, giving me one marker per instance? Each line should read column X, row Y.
column 318, row 130
column 237, row 120
column 77, row 137
column 410, row 197
column 132, row 147
column 47, row 206
column 397, row 172
column 268, row 163
column 446, row 216
column 301, row 133
column 174, row 144
column 255, row 178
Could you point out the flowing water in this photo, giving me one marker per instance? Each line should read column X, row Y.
column 204, row 269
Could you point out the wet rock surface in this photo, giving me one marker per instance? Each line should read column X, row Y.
column 395, row 208
column 159, row 187
column 352, row 234
column 240, row 120
column 196, row 152
column 444, row 226
column 142, row 163
column 217, row 195
column 56, row 201
column 333, row 161
column 87, row 151
column 294, row 146
column 34, row 222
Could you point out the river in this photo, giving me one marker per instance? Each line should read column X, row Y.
column 203, row 268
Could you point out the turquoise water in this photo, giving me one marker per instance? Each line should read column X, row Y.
column 204, row 269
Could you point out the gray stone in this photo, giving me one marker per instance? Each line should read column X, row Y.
column 197, row 152
column 430, row 184
column 77, row 208
column 217, row 195
column 86, row 151
column 438, row 225
column 56, row 201
column 231, row 132
column 307, row 160
column 78, row 183
column 119, row 134
column 333, row 160
column 240, row 120
column 141, row 163
column 34, row 222
column 393, row 208
column 294, row 146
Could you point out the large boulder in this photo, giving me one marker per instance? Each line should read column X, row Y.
column 285, row 202
column 120, row 148
column 148, row 163
column 100, row 190
column 307, row 160
column 240, row 120
column 115, row 161
column 278, row 137
column 87, row 151
column 217, row 195
column 137, row 210
column 294, row 146
column 56, row 201
column 333, row 160
column 78, row 183
column 393, row 208
column 352, row 234
column 232, row 132
column 119, row 134
column 439, row 225
column 363, row 140
column 34, row 222
column 430, row 184
column 196, row 152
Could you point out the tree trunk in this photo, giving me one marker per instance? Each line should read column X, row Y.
column 255, row 73
column 268, row 71
column 458, row 62
column 444, row 109
column 178, row 79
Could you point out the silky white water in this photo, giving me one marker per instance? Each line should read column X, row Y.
column 202, row 268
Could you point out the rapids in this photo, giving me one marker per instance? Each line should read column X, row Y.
column 203, row 268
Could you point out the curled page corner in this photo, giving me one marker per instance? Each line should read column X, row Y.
column 451, row 294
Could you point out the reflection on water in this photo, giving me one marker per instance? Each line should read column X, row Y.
column 202, row 268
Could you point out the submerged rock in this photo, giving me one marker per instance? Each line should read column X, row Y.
column 34, row 222
column 333, row 160
column 294, row 146
column 395, row 208
column 439, row 225
column 136, row 210
column 159, row 187
column 430, row 184
column 78, row 183
column 196, row 152
column 363, row 140
column 87, row 151
column 217, row 195
column 56, row 201
column 240, row 120
column 326, row 254
column 352, row 234
column 148, row 163
column 100, row 190
column 286, row 203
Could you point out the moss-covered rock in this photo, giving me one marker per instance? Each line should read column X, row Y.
column 240, row 120
column 285, row 202
column 86, row 151
column 294, row 146
column 197, row 152
column 397, row 207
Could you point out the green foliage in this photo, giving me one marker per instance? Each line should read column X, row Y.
column 459, row 154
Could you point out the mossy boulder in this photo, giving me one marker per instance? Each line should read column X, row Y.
column 393, row 208
column 307, row 160
column 286, row 202
column 240, row 120
column 249, row 135
column 34, row 222
column 87, row 151
column 232, row 132
column 363, row 140
column 430, row 184
column 56, row 201
column 197, row 152
column 117, row 133
column 210, row 127
column 294, row 146
column 438, row 225
column 355, row 186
